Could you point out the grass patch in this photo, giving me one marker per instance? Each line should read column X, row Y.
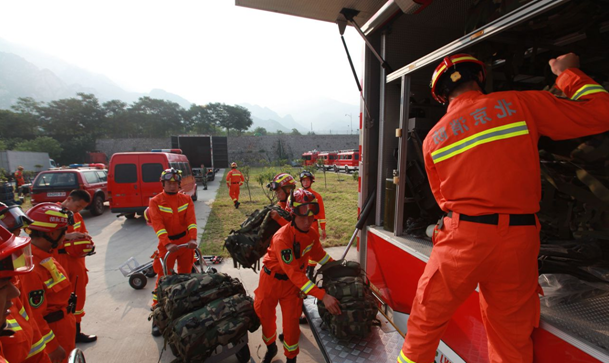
column 340, row 200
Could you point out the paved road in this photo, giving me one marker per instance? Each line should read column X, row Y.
column 118, row 314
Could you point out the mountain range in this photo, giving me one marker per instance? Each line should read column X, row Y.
column 26, row 72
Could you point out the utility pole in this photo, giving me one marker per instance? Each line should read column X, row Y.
column 351, row 123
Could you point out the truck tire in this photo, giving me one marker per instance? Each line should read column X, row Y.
column 129, row 215
column 97, row 205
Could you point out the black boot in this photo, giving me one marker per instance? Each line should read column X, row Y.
column 155, row 330
column 84, row 338
column 291, row 360
column 271, row 351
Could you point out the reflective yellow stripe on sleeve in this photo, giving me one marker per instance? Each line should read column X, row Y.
column 77, row 225
column 307, row 287
column 37, row 348
column 161, row 232
column 47, row 338
column 23, row 313
column 484, row 137
column 325, row 259
column 588, row 90
column 191, row 226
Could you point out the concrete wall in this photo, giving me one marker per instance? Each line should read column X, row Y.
column 251, row 150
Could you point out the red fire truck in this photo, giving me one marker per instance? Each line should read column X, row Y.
column 310, row 157
column 347, row 160
column 405, row 40
column 328, row 159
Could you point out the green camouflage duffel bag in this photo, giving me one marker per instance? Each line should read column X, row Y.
column 159, row 315
column 347, row 282
column 195, row 336
column 195, row 293
column 249, row 243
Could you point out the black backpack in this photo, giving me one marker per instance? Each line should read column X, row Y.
column 250, row 242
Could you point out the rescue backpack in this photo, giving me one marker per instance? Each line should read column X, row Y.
column 347, row 282
column 250, row 242
column 195, row 336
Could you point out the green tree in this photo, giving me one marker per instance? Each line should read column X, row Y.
column 157, row 118
column 72, row 117
column 200, row 120
column 41, row 144
column 117, row 123
column 296, row 132
column 3, row 145
column 260, row 131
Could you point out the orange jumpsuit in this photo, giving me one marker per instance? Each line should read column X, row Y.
column 173, row 220
column 234, row 180
column 481, row 159
column 320, row 218
column 76, row 267
column 47, row 290
column 26, row 344
column 19, row 178
column 283, row 279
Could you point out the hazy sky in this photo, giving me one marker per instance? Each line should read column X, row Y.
column 203, row 50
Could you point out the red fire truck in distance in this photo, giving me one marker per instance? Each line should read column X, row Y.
column 309, row 157
column 326, row 159
column 347, row 160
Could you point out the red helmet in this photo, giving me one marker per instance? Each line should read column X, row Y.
column 147, row 216
column 78, row 247
column 48, row 217
column 282, row 180
column 302, row 203
column 233, row 165
column 13, row 218
column 15, row 254
column 171, row 175
column 459, row 68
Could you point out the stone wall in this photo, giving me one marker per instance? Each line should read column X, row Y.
column 250, row 150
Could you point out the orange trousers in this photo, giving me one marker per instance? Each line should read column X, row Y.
column 269, row 293
column 185, row 258
column 76, row 267
column 65, row 333
column 499, row 259
column 233, row 192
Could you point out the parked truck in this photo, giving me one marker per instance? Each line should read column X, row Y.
column 30, row 160
column 406, row 40
column 211, row 151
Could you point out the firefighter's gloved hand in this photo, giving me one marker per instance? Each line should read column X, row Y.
column 323, row 234
column 564, row 62
column 331, row 304
column 171, row 247
column 192, row 244
column 58, row 355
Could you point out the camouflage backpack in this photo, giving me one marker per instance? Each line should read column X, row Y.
column 195, row 336
column 250, row 242
column 159, row 315
column 347, row 282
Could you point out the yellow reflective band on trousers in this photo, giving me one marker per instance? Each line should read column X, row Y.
column 588, row 90
column 37, row 348
column 266, row 340
column 484, row 137
column 403, row 359
column 290, row 348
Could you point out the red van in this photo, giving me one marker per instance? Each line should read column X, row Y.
column 328, row 158
column 133, row 178
column 347, row 160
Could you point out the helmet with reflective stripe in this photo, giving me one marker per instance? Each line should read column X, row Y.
column 171, row 175
column 307, row 174
column 453, row 71
column 13, row 218
column 15, row 254
column 233, row 165
column 282, row 180
column 48, row 217
column 79, row 247
column 302, row 203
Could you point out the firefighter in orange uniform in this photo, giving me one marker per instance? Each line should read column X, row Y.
column 234, row 181
column 20, row 180
column 22, row 340
column 483, row 167
column 284, row 280
column 47, row 289
column 173, row 219
column 72, row 258
column 282, row 184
